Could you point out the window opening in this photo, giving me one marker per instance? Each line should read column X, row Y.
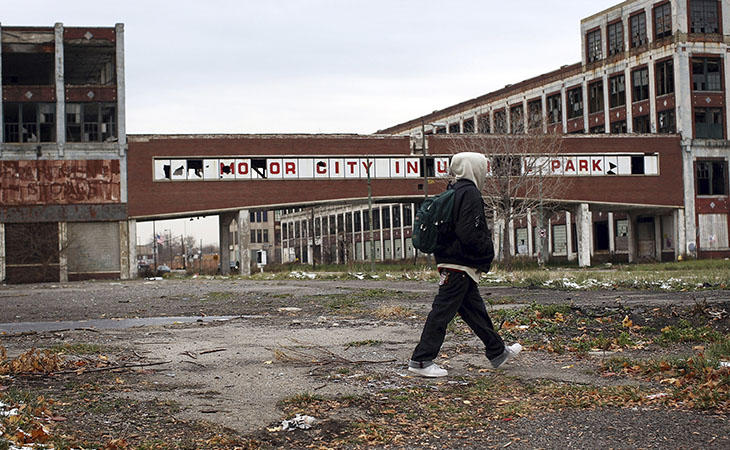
column 706, row 74
column 663, row 21
column 575, row 103
column 638, row 29
column 615, row 38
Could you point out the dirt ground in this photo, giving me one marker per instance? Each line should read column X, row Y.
column 621, row 369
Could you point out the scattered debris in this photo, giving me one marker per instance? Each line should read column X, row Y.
column 302, row 422
column 290, row 309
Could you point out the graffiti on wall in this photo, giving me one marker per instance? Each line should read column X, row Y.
column 59, row 182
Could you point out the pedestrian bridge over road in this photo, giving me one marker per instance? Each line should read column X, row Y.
column 172, row 176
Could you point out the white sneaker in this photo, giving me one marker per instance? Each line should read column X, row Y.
column 510, row 352
column 432, row 371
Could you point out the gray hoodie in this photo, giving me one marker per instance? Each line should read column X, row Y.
column 471, row 166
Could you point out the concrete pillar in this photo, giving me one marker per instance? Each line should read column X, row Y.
column 60, row 91
column 569, row 236
column 606, row 102
column 302, row 238
column 392, row 232
column 680, row 238
column 511, row 230
column 530, row 243
column 652, row 85
column 583, row 227
column 658, row 238
column 63, row 252
column 498, row 231
column 125, row 265
column 564, row 106
column 403, row 226
column 354, row 246
column 549, row 250
column 336, row 236
column 586, row 108
column 629, row 101
column 132, row 245
column 2, row 249
column 413, row 222
column 543, row 99
column 631, row 232
column 688, row 179
column 121, row 98
column 243, row 221
column 224, row 239
column 611, row 234
column 2, row 128
column 362, row 234
column 382, row 230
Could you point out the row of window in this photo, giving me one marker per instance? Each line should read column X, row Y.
column 36, row 122
column 259, row 216
column 703, row 14
column 343, row 223
column 83, row 66
column 260, row 236
column 706, row 77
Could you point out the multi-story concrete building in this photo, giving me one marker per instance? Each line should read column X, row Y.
column 648, row 67
column 63, row 173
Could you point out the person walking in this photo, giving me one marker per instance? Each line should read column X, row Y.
column 464, row 251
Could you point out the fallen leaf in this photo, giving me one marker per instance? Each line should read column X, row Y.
column 627, row 323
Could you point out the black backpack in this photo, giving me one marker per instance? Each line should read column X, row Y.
column 432, row 218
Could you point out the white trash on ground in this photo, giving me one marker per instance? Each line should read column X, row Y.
column 302, row 422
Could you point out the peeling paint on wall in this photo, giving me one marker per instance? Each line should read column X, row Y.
column 59, row 182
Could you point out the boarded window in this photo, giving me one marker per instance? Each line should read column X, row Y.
column 713, row 231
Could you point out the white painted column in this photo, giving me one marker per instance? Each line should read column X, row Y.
column 121, row 96
column 586, row 108
column 403, row 226
column 511, row 231
column 525, row 117
column 530, row 239
column 362, row 234
column 302, row 239
column 337, row 240
column 63, row 252
column 2, row 249
column 382, row 231
column 413, row 223
column 125, row 265
column 688, row 179
column 583, row 227
column 354, row 246
column 611, row 234
column 629, row 101
column 652, row 89
column 658, row 238
column 564, row 111
column 392, row 231
column 569, row 235
column 606, row 103
column 60, row 91
column 549, row 252
column 680, row 238
column 543, row 99
column 683, row 95
column 631, row 234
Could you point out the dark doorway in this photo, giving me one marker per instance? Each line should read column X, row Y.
column 600, row 236
column 31, row 251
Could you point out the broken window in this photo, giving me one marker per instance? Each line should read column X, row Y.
column 376, row 219
column 663, row 21
column 617, row 91
column 407, row 219
column 706, row 74
column 366, row 220
column 27, row 69
column 517, row 119
column 615, row 38
column 619, row 127
column 711, row 177
column 534, row 115
column 638, row 29
column 396, row 216
column 29, row 122
column 704, row 16
column 91, row 122
column 506, row 165
column 640, row 83
column 593, row 43
column 708, row 123
column 666, row 122
column 266, row 236
column 484, row 125
column 441, row 130
column 386, row 217
column 641, row 124
column 357, row 224
column 575, row 103
column 89, row 65
column 469, row 125
column 595, row 97
column 598, row 129
column 664, row 77
column 454, row 128
column 555, row 108
column 500, row 122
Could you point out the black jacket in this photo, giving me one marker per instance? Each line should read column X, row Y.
column 468, row 242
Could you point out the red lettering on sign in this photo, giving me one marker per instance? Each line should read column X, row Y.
column 243, row 168
column 274, row 168
column 554, row 165
column 597, row 165
column 227, row 169
column 397, row 167
column 367, row 165
column 351, row 165
column 290, row 168
column 321, row 167
column 337, row 167
column 569, row 166
column 441, row 166
column 412, row 167
column 583, row 165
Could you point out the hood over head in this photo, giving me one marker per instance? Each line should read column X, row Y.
column 471, row 166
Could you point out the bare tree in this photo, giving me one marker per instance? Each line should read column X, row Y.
column 519, row 179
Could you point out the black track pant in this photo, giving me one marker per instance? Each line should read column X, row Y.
column 457, row 293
